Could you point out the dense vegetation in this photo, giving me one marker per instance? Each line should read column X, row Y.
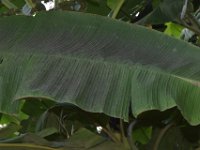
column 125, row 78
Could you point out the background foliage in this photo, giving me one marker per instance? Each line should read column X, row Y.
column 45, row 124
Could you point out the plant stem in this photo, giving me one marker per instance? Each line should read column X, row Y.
column 110, row 135
column 161, row 134
column 122, row 130
column 30, row 3
column 116, row 10
column 8, row 4
column 129, row 134
column 108, row 131
column 184, row 9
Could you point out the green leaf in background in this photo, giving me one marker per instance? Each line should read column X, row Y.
column 33, row 109
column 9, row 130
column 8, row 4
column 30, row 3
column 142, row 135
column 155, row 3
column 174, row 139
column 115, row 6
column 166, row 11
column 90, row 6
column 5, row 119
column 17, row 146
column 82, row 140
column 19, row 3
column 3, row 8
column 85, row 139
column 69, row 119
column 173, row 29
column 97, row 7
column 31, row 138
column 14, row 4
column 130, row 9
column 98, row 64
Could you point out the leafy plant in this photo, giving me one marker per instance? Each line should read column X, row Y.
column 72, row 80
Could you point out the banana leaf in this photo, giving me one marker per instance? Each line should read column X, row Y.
column 98, row 64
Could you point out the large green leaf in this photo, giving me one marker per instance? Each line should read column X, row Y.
column 98, row 64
